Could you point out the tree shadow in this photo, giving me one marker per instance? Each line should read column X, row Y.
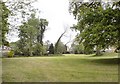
column 96, row 56
column 107, row 61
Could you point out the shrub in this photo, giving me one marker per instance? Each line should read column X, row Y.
column 88, row 50
column 38, row 49
column 11, row 53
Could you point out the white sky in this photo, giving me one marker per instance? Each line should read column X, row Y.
column 59, row 18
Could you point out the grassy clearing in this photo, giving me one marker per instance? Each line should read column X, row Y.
column 67, row 68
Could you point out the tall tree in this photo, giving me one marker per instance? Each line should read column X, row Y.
column 29, row 32
column 20, row 11
column 42, row 28
column 4, row 14
column 96, row 24
column 116, row 21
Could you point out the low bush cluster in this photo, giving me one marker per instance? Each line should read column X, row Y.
column 11, row 53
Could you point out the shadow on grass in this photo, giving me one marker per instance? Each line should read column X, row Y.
column 96, row 56
column 51, row 55
column 108, row 61
column 106, row 54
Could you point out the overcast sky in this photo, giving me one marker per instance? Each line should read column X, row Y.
column 59, row 18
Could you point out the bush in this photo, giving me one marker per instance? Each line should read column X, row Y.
column 38, row 49
column 11, row 53
column 88, row 50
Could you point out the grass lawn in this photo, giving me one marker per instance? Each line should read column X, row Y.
column 67, row 68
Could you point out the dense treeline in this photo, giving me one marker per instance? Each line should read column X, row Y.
column 31, row 39
column 98, row 25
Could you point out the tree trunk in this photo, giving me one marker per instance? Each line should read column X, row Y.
column 31, row 53
column 40, row 36
column 57, row 43
column 30, row 47
column 118, row 49
column 98, row 52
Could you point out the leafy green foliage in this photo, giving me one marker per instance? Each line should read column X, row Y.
column 51, row 49
column 81, row 49
column 42, row 27
column 38, row 49
column 57, row 43
column 98, row 25
column 77, row 48
column 29, row 33
column 15, row 11
column 11, row 53
column 61, row 48
column 4, row 13
column 20, row 11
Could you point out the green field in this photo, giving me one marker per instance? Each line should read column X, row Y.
column 67, row 68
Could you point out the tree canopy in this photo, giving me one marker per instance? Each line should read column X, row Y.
column 13, row 13
column 4, row 25
column 28, row 34
column 98, row 24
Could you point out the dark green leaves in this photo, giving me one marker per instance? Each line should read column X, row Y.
column 98, row 24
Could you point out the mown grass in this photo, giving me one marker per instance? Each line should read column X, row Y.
column 67, row 68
